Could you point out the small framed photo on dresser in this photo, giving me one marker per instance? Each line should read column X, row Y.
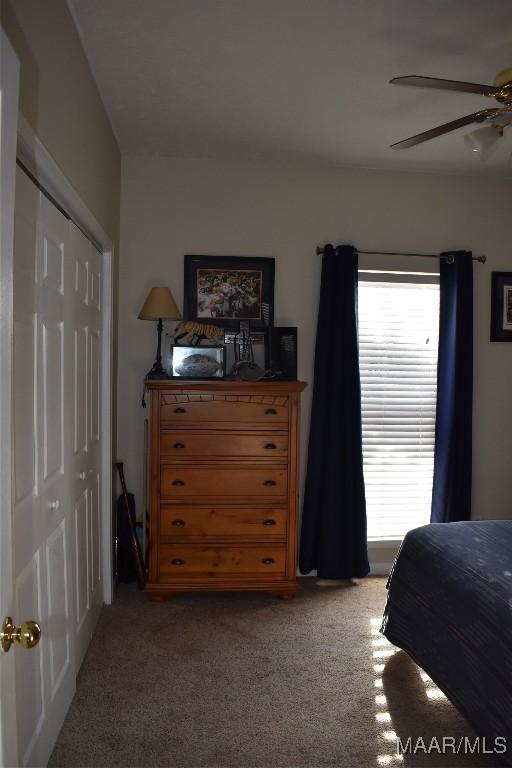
column 501, row 306
column 197, row 362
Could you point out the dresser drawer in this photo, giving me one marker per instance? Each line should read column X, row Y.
column 179, row 522
column 178, row 482
column 181, row 444
column 184, row 560
column 231, row 410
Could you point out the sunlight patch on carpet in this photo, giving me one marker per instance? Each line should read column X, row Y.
column 382, row 648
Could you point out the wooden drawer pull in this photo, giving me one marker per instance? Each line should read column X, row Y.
column 270, row 446
column 178, row 482
column 178, row 523
column 271, row 412
column 180, row 410
column 179, row 445
column 269, row 522
column 177, row 561
column 269, row 482
column 268, row 561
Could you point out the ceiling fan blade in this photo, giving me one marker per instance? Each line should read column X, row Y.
column 476, row 117
column 445, row 85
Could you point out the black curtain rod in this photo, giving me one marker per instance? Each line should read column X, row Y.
column 481, row 259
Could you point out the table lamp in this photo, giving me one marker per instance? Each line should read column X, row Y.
column 159, row 305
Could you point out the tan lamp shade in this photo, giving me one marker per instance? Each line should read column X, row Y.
column 160, row 304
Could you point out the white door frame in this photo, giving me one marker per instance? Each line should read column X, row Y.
column 36, row 158
column 9, row 84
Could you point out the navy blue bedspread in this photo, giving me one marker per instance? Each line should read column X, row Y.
column 450, row 607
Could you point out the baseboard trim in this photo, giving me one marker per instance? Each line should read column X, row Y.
column 376, row 569
column 380, row 569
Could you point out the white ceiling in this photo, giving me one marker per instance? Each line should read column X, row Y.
column 284, row 78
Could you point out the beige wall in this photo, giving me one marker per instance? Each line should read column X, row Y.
column 171, row 207
column 59, row 99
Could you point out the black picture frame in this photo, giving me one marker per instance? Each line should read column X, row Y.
column 224, row 290
column 282, row 352
column 501, row 306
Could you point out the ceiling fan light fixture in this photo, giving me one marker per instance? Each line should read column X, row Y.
column 483, row 141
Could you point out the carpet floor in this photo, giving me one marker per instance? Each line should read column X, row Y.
column 250, row 681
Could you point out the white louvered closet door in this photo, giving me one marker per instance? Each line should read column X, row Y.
column 398, row 339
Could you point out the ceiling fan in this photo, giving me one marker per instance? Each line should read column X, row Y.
column 501, row 91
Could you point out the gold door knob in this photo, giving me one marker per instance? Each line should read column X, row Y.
column 27, row 634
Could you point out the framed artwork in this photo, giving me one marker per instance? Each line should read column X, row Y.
column 501, row 306
column 282, row 352
column 227, row 289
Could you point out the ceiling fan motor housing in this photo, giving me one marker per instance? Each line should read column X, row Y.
column 503, row 81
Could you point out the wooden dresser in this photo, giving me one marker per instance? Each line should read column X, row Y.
column 224, row 486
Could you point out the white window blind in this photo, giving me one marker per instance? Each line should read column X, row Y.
column 398, row 337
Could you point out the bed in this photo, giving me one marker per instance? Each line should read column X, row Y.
column 449, row 607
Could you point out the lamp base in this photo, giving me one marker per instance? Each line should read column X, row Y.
column 157, row 372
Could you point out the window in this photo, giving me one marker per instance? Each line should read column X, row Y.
column 398, row 336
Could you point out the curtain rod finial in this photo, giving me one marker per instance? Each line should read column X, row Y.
column 319, row 250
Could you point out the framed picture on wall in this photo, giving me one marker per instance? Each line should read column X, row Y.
column 227, row 289
column 501, row 306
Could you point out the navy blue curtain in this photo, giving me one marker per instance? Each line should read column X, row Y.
column 451, row 492
column 333, row 539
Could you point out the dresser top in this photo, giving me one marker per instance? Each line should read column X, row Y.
column 225, row 385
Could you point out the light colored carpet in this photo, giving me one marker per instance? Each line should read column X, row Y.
column 250, row 681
